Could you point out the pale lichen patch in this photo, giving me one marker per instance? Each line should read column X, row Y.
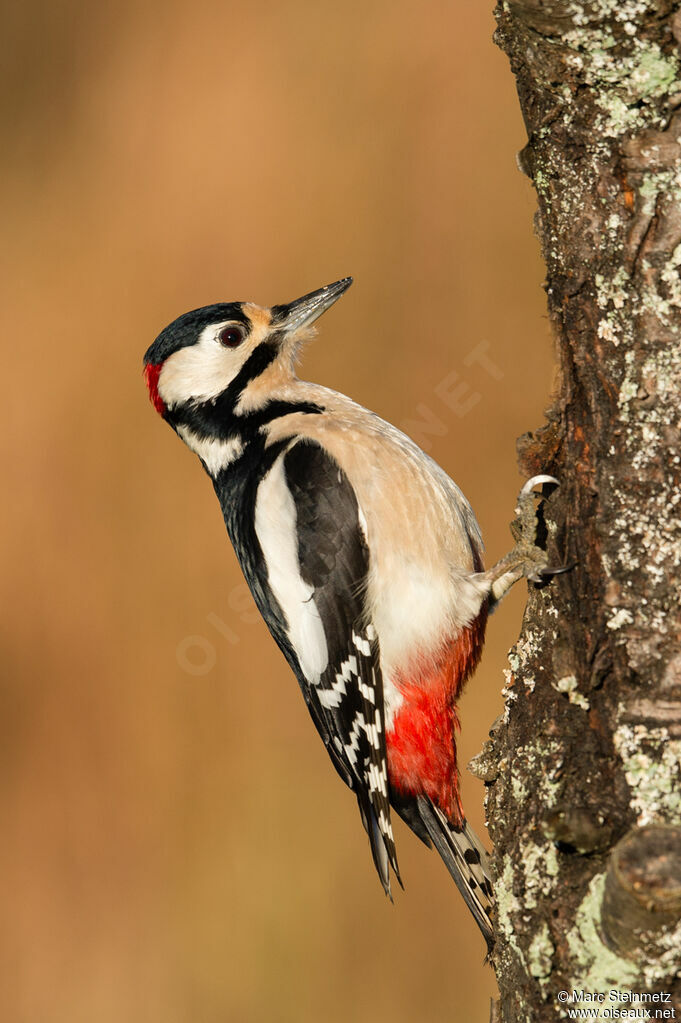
column 657, row 184
column 508, row 906
column 569, row 686
column 518, row 789
column 671, row 275
column 668, row 962
column 621, row 617
column 540, row 869
column 525, row 650
column 598, row 968
column 652, row 767
column 613, row 297
column 542, row 761
column 540, row 953
column 625, row 81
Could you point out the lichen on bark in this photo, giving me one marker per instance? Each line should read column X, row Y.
column 589, row 748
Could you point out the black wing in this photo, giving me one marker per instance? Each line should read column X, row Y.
column 347, row 701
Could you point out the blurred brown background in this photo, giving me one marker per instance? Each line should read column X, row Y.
column 174, row 844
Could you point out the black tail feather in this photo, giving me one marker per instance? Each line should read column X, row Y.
column 382, row 848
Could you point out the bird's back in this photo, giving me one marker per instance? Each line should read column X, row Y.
column 425, row 543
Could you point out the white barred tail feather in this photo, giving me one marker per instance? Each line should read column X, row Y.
column 465, row 859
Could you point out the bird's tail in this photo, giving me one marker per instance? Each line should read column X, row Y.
column 465, row 859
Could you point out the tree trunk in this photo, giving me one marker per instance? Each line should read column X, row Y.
column 584, row 770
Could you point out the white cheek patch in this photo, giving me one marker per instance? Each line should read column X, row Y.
column 202, row 371
column 275, row 527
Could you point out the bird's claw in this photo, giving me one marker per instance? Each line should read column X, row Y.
column 545, row 575
column 525, row 528
column 529, row 557
column 528, row 488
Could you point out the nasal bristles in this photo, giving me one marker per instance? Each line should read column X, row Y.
column 294, row 343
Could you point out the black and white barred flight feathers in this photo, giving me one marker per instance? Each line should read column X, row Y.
column 362, row 556
column 346, row 695
column 304, row 514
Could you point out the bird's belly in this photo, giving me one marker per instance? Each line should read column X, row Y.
column 420, row 732
column 414, row 602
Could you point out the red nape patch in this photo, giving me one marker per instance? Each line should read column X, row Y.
column 152, row 371
column 421, row 746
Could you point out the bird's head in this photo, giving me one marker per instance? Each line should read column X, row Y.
column 221, row 348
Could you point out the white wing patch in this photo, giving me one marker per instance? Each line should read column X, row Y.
column 275, row 527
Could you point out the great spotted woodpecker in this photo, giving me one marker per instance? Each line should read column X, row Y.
column 363, row 557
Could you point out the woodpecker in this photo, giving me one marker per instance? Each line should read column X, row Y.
column 363, row 557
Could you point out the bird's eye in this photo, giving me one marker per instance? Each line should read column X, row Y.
column 231, row 337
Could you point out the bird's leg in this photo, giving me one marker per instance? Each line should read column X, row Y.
column 526, row 559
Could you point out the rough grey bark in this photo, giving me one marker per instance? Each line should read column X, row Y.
column 584, row 770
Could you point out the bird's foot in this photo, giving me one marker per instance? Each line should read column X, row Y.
column 528, row 558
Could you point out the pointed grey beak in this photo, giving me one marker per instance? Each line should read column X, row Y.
column 304, row 311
